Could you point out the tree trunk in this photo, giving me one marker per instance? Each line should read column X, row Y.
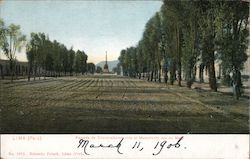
column 201, row 72
column 155, row 75
column 45, row 73
column 166, row 75
column 212, row 77
column 29, row 71
column 179, row 55
column 11, row 70
column 152, row 76
column 2, row 75
column 159, row 75
column 179, row 73
column 35, row 70
column 172, row 76
column 39, row 73
column 189, row 77
column 172, row 73
column 194, row 73
column 16, row 71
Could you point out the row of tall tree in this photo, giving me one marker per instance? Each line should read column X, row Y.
column 45, row 57
column 53, row 57
column 188, row 35
column 91, row 68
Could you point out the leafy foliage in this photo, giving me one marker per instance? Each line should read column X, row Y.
column 54, row 57
column 189, row 35
column 11, row 41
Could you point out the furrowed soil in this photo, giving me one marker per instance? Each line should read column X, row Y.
column 115, row 104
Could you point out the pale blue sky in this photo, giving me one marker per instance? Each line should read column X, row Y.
column 92, row 26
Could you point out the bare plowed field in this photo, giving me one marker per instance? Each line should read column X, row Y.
column 114, row 104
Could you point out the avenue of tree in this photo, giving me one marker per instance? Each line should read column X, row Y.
column 54, row 57
column 45, row 57
column 179, row 39
column 187, row 34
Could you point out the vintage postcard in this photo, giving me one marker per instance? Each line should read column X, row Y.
column 124, row 79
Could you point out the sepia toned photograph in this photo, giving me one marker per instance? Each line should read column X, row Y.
column 113, row 66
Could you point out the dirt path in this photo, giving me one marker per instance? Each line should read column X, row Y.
column 97, row 104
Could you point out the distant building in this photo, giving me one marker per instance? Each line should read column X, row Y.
column 21, row 68
column 106, row 67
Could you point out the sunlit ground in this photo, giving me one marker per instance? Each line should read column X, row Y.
column 114, row 104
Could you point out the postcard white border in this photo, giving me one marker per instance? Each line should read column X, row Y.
column 50, row 146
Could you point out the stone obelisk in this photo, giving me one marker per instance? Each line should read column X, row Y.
column 106, row 67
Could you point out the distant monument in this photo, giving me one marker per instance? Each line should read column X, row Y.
column 106, row 67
